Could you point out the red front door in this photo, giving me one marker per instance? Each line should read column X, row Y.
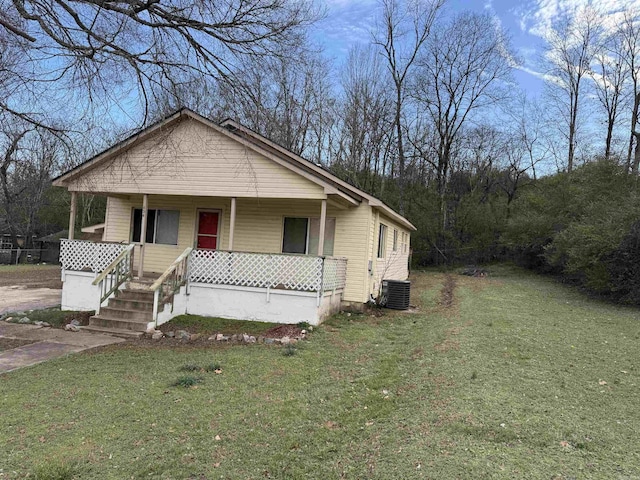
column 207, row 238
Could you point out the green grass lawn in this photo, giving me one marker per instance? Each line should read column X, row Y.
column 519, row 378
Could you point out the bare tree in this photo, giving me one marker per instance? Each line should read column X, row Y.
column 629, row 34
column 610, row 74
column 366, row 115
column 104, row 47
column 570, row 51
column 527, row 131
column 282, row 99
column 29, row 157
column 462, row 71
column 402, row 31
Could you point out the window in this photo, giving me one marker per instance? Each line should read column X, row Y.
column 382, row 240
column 301, row 235
column 314, row 236
column 395, row 240
column 295, row 235
column 162, row 226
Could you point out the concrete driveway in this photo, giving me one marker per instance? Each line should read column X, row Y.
column 18, row 298
column 47, row 344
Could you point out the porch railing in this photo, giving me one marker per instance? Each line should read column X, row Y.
column 85, row 256
column 334, row 275
column 169, row 283
column 264, row 270
column 115, row 274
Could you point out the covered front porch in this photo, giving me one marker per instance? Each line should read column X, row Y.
column 282, row 288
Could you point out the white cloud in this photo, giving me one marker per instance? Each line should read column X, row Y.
column 542, row 76
column 347, row 22
column 537, row 16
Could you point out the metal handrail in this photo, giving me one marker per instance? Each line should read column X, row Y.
column 116, row 273
column 173, row 278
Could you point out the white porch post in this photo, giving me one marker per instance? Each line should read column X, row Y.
column 323, row 221
column 232, row 222
column 143, row 233
column 72, row 215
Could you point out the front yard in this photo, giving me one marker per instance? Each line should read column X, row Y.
column 511, row 376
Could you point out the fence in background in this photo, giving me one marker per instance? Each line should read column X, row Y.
column 10, row 256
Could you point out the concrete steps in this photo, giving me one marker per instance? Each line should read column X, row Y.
column 116, row 332
column 128, row 313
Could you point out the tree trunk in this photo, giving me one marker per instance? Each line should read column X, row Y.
column 572, row 134
column 634, row 122
column 400, row 147
column 636, row 157
column 607, row 148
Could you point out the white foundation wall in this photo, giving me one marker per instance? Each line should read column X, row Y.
column 78, row 293
column 239, row 303
column 248, row 303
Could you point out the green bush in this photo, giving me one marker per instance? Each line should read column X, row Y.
column 56, row 470
column 187, row 381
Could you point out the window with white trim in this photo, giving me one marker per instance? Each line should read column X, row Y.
column 302, row 235
column 382, row 240
column 162, row 226
column 395, row 240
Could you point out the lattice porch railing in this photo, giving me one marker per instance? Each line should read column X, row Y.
column 81, row 255
column 290, row 272
column 334, row 274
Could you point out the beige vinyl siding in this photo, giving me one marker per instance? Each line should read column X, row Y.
column 159, row 257
column 193, row 159
column 395, row 264
column 259, row 228
column 351, row 242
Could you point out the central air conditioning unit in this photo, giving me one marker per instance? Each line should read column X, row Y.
column 396, row 294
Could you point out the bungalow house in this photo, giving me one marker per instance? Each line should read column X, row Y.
column 214, row 219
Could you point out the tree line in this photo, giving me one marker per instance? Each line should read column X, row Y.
column 424, row 113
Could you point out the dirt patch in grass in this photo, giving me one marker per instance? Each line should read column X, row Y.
column 31, row 276
column 447, row 344
column 212, row 325
column 448, row 304
column 10, row 343
column 283, row 331
column 447, row 292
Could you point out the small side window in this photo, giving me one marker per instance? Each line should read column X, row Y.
column 382, row 240
column 395, row 240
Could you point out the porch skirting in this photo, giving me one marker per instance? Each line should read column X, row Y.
column 251, row 303
column 225, row 301
column 77, row 291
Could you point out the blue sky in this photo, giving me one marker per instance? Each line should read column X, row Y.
column 526, row 21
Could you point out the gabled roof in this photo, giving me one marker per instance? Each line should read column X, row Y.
column 250, row 139
column 315, row 169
